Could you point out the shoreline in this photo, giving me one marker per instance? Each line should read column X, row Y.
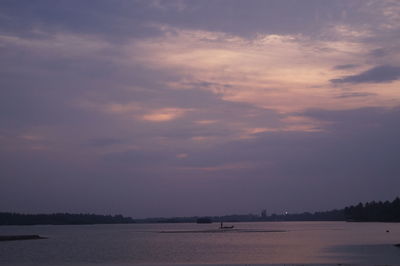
column 20, row 237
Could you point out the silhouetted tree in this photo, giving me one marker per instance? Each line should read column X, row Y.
column 374, row 211
column 7, row 218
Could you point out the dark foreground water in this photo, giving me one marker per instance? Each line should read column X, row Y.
column 299, row 243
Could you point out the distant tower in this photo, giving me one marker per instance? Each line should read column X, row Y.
column 264, row 213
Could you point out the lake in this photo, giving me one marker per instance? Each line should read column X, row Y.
column 253, row 243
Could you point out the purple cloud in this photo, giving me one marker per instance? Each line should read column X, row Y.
column 378, row 74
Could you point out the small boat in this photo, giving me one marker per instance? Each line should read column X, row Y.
column 225, row 227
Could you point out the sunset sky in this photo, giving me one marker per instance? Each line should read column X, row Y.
column 180, row 108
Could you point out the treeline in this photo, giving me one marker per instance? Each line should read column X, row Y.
column 368, row 212
column 335, row 215
column 7, row 218
column 194, row 219
column 374, row 211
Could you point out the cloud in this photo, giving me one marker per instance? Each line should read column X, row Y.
column 164, row 114
column 182, row 155
column 346, row 66
column 219, row 168
column 205, row 122
column 355, row 94
column 103, row 142
column 378, row 74
column 257, row 71
column 378, row 52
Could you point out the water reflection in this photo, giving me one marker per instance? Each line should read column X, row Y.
column 382, row 254
column 250, row 243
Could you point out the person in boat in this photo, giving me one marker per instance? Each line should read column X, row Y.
column 225, row 227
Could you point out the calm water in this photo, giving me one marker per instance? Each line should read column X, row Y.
column 302, row 242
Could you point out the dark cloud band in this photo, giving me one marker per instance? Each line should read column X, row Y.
column 378, row 74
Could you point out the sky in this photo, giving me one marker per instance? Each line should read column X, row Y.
column 182, row 108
